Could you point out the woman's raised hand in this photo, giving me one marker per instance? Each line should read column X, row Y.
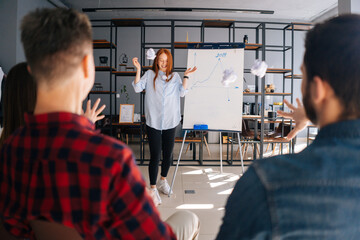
column 136, row 63
column 189, row 71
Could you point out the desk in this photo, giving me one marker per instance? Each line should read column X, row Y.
column 137, row 127
column 194, row 140
column 125, row 127
column 308, row 134
column 274, row 135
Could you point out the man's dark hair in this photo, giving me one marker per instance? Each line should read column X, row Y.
column 332, row 52
column 55, row 41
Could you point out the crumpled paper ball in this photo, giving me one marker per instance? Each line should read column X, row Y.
column 164, row 77
column 150, row 54
column 228, row 77
column 259, row 68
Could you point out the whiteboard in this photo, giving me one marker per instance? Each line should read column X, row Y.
column 208, row 101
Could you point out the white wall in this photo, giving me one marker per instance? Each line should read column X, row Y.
column 349, row 6
column 11, row 14
column 8, row 29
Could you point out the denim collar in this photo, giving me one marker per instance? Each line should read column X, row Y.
column 343, row 129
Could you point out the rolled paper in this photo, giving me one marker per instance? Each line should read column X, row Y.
column 150, row 54
column 228, row 77
column 259, row 68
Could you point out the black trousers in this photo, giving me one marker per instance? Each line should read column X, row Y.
column 160, row 140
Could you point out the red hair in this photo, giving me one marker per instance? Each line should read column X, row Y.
column 169, row 67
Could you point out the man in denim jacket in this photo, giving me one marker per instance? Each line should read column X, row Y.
column 314, row 194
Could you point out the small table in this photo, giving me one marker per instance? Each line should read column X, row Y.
column 308, row 133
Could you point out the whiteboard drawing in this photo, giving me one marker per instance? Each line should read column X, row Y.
column 210, row 101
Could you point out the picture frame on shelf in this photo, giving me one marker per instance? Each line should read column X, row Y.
column 126, row 113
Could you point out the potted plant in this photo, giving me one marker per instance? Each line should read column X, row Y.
column 124, row 90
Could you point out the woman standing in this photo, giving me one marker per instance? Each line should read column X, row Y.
column 162, row 113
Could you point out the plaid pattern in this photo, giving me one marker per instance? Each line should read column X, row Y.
column 57, row 168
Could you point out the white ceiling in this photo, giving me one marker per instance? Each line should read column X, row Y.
column 284, row 10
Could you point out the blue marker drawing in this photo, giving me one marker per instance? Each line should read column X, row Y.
column 221, row 55
column 210, row 75
column 218, row 63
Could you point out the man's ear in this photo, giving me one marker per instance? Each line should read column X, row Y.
column 85, row 64
column 319, row 89
column 28, row 68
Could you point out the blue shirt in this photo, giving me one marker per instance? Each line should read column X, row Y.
column 314, row 194
column 162, row 104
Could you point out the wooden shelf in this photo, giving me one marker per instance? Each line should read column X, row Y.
column 101, row 92
column 296, row 76
column 147, row 67
column 276, row 140
column 251, row 116
column 273, row 94
column 182, row 44
column 104, row 68
column 278, row 70
column 248, row 46
column 280, row 120
column 127, row 124
column 103, row 44
column 300, row 26
column 124, row 73
column 252, row 46
column 218, row 22
column 127, row 22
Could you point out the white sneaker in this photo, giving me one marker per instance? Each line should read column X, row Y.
column 154, row 193
column 164, row 187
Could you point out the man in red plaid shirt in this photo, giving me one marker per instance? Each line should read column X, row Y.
column 57, row 168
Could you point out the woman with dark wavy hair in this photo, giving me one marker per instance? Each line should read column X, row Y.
column 19, row 97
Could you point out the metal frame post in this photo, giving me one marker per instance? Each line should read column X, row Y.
column 110, row 74
column 115, row 42
column 262, row 94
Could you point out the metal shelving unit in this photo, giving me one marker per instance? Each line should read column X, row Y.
column 107, row 45
column 260, row 47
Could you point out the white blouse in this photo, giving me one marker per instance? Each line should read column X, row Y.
column 162, row 104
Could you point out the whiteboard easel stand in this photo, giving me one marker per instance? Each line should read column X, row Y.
column 241, row 156
column 221, row 165
column 177, row 164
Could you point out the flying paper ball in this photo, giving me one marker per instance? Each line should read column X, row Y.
column 259, row 68
column 228, row 77
column 164, row 77
column 150, row 54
